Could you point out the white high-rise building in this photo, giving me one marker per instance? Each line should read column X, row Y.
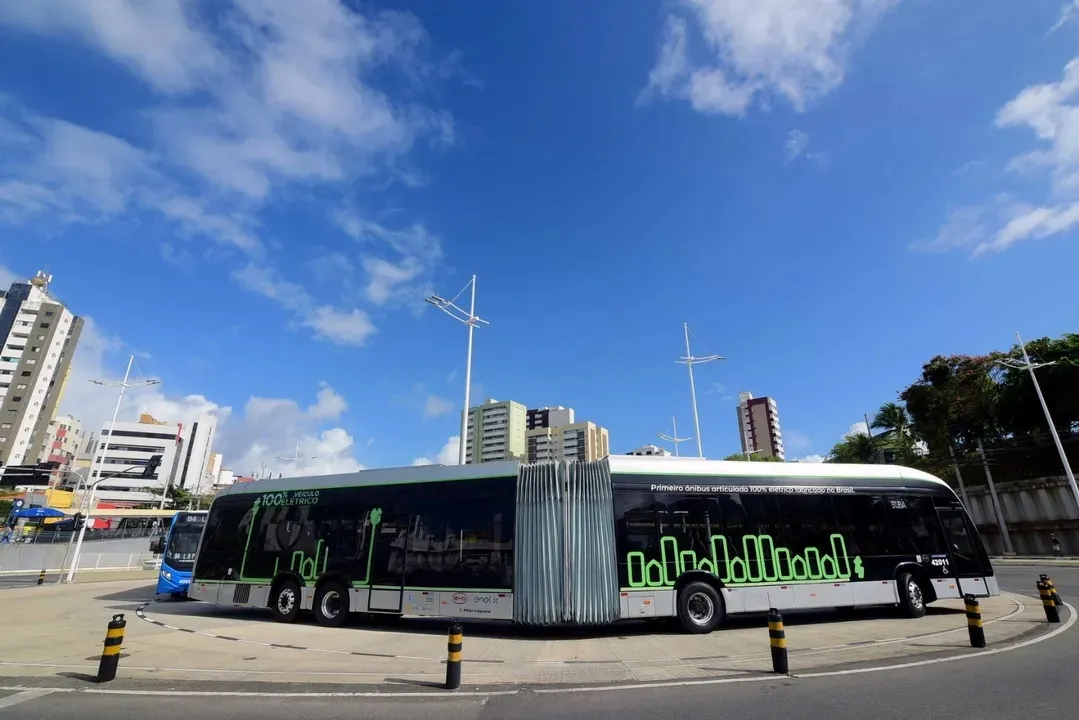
column 126, row 451
column 38, row 335
column 198, row 442
column 650, row 450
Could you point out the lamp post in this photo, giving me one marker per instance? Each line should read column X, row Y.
column 673, row 439
column 91, row 482
column 689, row 361
column 1031, row 367
column 471, row 320
column 297, row 457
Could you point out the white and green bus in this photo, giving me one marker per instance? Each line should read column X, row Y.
column 591, row 543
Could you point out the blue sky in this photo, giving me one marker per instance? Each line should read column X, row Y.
column 254, row 198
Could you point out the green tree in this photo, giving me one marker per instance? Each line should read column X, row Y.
column 954, row 402
column 853, row 449
column 1019, row 409
column 753, row 457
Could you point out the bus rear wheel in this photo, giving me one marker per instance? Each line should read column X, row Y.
column 285, row 601
column 700, row 608
column 331, row 604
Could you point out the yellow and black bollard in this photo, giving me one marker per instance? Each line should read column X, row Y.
column 1052, row 615
column 41, row 578
column 110, row 655
column 974, row 622
column 1052, row 590
column 777, row 638
column 453, row 659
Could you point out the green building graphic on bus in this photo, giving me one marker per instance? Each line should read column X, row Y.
column 760, row 561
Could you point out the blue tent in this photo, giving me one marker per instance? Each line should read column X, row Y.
column 37, row 512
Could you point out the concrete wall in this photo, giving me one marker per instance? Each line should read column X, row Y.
column 1032, row 510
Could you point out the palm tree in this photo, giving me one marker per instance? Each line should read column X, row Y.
column 892, row 417
column 853, row 449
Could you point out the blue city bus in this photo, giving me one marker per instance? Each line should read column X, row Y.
column 178, row 552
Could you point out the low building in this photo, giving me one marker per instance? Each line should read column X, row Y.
column 650, row 450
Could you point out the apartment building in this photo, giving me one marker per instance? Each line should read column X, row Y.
column 496, row 431
column 758, row 426
column 38, row 335
column 198, row 441
column 122, row 455
column 63, row 442
column 554, row 434
column 650, row 450
column 547, row 417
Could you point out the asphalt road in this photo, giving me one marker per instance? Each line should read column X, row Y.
column 1034, row 681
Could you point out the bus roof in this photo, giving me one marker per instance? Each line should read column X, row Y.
column 660, row 465
column 622, row 464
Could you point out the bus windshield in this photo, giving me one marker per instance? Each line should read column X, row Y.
column 183, row 541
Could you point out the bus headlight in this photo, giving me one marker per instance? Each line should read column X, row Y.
column 167, row 574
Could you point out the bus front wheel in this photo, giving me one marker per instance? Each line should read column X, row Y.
column 911, row 596
column 331, row 604
column 700, row 608
column 285, row 601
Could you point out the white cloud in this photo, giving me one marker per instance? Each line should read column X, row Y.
column 414, row 253
column 964, row 228
column 797, row 142
column 1048, row 110
column 797, row 49
column 344, row 327
column 249, row 97
column 268, row 428
column 7, row 277
column 450, row 454
column 1068, row 11
column 811, row 459
column 857, row 428
column 436, row 406
column 155, row 39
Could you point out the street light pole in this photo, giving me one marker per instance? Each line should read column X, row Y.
column 471, row 320
column 673, row 439
column 297, row 457
column 91, row 482
column 1031, row 367
column 689, row 361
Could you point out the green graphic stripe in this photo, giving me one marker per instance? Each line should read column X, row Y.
column 751, row 568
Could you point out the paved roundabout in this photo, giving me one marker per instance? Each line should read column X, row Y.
column 190, row 641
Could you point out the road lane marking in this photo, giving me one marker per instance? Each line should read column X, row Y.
column 24, row 696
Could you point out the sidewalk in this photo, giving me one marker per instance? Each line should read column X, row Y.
column 1049, row 560
column 54, row 632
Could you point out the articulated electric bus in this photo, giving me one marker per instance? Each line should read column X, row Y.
column 178, row 552
column 591, row 543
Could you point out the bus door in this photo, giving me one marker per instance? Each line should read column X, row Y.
column 963, row 546
column 390, row 565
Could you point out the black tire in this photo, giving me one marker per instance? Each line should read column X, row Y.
column 700, row 609
column 911, row 596
column 331, row 604
column 285, row 601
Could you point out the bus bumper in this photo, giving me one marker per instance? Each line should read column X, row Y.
column 171, row 582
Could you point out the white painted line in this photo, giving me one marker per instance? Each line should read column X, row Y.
column 24, row 696
column 833, row 673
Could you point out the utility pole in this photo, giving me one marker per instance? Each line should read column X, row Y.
column 471, row 320
column 1031, row 367
column 996, row 503
column 674, row 439
column 689, row 361
column 959, row 478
